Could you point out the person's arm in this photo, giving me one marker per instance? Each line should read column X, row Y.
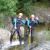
column 28, row 23
column 12, row 20
column 23, row 21
column 37, row 20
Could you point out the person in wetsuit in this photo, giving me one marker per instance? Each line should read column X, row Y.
column 17, row 23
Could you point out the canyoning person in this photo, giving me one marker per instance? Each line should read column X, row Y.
column 26, row 31
column 17, row 23
column 33, row 22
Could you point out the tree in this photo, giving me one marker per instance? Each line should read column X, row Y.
column 11, row 7
column 8, row 7
column 25, row 6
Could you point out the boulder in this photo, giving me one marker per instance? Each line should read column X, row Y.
column 4, row 35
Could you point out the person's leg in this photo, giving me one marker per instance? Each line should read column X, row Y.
column 26, row 36
column 31, row 45
column 19, row 35
column 11, row 36
column 31, row 35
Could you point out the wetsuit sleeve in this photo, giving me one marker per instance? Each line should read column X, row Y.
column 36, row 21
column 12, row 21
column 28, row 23
column 23, row 21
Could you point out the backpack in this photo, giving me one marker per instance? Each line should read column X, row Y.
column 14, row 22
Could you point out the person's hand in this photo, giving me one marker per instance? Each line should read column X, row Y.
column 15, row 27
column 30, row 26
column 37, row 18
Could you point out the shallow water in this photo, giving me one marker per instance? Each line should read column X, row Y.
column 37, row 29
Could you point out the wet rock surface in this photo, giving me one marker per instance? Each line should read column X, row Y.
column 43, row 46
column 4, row 35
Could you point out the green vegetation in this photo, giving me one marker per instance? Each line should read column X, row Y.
column 11, row 7
column 8, row 7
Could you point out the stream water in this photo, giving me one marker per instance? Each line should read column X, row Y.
column 41, row 44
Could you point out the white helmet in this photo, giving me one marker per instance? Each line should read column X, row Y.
column 32, row 16
column 20, row 15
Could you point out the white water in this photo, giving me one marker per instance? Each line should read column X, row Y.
column 8, row 45
column 43, row 46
